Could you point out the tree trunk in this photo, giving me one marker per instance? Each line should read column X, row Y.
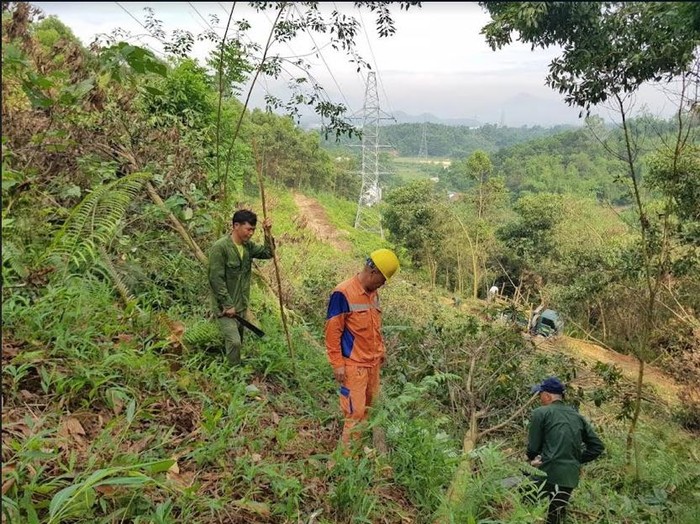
column 271, row 241
column 462, row 476
column 432, row 268
column 651, row 288
column 635, row 418
column 460, row 276
column 152, row 193
column 475, row 264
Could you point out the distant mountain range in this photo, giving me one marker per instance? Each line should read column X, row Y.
column 522, row 109
column 311, row 121
column 405, row 118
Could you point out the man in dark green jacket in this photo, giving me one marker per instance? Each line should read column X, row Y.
column 230, row 261
column 559, row 441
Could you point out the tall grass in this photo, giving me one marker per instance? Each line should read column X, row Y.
column 257, row 443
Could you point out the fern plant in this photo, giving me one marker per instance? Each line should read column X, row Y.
column 13, row 265
column 117, row 280
column 203, row 334
column 94, row 221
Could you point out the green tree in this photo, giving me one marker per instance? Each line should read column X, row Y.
column 290, row 156
column 486, row 195
column 609, row 50
column 414, row 218
column 184, row 95
column 676, row 176
column 531, row 237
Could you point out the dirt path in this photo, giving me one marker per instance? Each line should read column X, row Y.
column 664, row 386
column 315, row 218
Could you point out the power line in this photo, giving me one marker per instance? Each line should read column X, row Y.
column 147, row 30
column 196, row 21
column 266, row 86
column 324, row 60
column 374, row 59
column 293, row 55
column 224, row 9
column 286, row 42
column 361, row 73
column 376, row 65
column 200, row 16
column 136, row 19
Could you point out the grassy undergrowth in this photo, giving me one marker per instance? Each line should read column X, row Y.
column 130, row 414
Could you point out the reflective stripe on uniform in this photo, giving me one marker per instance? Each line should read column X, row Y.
column 362, row 307
column 353, row 326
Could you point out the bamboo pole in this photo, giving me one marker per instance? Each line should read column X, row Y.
column 155, row 197
column 129, row 156
column 270, row 40
column 271, row 241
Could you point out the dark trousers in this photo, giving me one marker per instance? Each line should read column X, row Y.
column 558, row 499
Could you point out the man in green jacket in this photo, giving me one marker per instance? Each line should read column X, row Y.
column 559, row 441
column 230, row 261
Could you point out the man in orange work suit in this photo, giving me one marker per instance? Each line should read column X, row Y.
column 354, row 342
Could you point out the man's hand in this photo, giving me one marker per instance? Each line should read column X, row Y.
column 230, row 312
column 267, row 224
column 536, row 462
column 339, row 374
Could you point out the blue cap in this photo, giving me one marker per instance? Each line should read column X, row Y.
column 549, row 385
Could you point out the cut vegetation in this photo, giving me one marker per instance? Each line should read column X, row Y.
column 121, row 169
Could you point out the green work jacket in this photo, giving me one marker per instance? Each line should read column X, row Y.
column 229, row 273
column 565, row 440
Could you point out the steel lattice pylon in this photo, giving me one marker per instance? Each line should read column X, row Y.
column 369, row 219
column 423, row 152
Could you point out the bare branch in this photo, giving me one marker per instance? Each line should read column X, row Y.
column 510, row 419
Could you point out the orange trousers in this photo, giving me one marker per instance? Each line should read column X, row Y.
column 358, row 392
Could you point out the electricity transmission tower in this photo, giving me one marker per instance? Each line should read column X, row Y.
column 369, row 219
column 423, row 152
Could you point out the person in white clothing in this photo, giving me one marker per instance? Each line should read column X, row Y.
column 493, row 293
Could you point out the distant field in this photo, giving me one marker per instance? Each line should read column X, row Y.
column 412, row 168
column 420, row 160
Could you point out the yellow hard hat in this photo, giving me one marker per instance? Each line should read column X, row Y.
column 385, row 261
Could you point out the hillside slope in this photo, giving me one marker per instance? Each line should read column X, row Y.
column 665, row 386
column 123, row 415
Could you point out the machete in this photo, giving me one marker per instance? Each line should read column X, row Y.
column 255, row 329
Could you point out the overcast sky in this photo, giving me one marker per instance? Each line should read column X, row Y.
column 437, row 62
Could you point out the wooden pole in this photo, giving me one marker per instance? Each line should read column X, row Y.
column 271, row 241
